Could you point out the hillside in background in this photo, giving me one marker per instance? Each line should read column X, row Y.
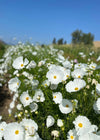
column 96, row 44
column 2, row 47
column 2, row 42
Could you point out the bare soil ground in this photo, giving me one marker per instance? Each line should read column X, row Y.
column 5, row 100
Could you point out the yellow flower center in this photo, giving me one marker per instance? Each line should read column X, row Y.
column 45, row 84
column 27, row 98
column 67, row 75
column 67, row 105
column 55, row 77
column 2, row 129
column 38, row 97
column 93, row 67
column 76, row 88
column 17, row 84
column 80, row 125
column 17, row 132
column 79, row 76
column 22, row 65
column 26, row 127
column 72, row 137
column 54, row 96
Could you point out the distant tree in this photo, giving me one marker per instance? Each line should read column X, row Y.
column 42, row 45
column 2, row 45
column 54, row 41
column 76, row 37
column 65, row 42
column 87, row 38
column 60, row 41
column 79, row 37
column 2, row 48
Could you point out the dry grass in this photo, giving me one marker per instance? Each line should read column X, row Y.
column 96, row 44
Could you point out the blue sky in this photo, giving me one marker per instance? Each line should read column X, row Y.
column 42, row 20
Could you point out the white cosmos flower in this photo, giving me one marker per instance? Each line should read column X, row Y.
column 98, row 88
column 65, row 106
column 14, row 84
column 98, row 103
column 82, row 66
column 81, row 53
column 85, row 137
column 19, row 107
column 34, row 83
column 34, row 137
column 12, row 105
column 14, row 131
column 55, row 134
column 91, row 129
column 72, row 135
column 98, row 59
column 66, row 74
column 2, row 128
column 96, row 106
column 42, row 62
column 60, row 123
column 82, row 125
column 46, row 83
column 0, row 118
column 67, row 64
column 25, row 99
column 14, row 98
column 34, row 53
column 83, row 56
column 31, row 131
column 33, row 106
column 89, row 136
column 93, row 66
column 15, row 72
column 39, row 96
column 16, row 95
column 51, row 66
column 57, row 97
column 78, row 73
column 55, row 76
column 26, row 74
column 18, row 63
column 9, row 111
column 32, row 64
column 30, row 126
column 50, row 121
column 60, row 58
column 75, row 85
column 61, row 52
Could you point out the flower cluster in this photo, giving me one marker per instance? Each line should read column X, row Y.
column 54, row 97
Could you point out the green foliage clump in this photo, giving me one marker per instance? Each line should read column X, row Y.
column 79, row 37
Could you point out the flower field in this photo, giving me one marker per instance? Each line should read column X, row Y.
column 55, row 93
